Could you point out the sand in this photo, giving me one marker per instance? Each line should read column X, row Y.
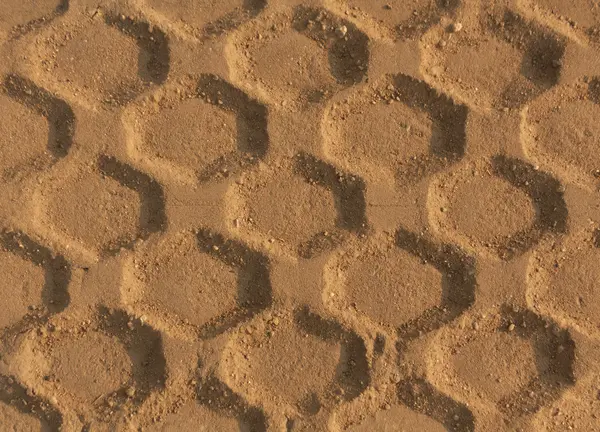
column 299, row 215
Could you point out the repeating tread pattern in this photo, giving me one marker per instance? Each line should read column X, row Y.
column 286, row 183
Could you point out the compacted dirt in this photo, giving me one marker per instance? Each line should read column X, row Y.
column 300, row 215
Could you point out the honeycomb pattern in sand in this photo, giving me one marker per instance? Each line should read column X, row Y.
column 194, row 239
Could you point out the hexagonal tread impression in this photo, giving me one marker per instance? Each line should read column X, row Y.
column 504, row 206
column 215, row 131
column 118, row 204
column 305, row 362
column 334, row 198
column 391, row 288
column 107, row 367
column 411, row 129
column 485, row 209
column 35, row 283
column 47, row 136
column 286, row 221
column 182, row 281
column 526, row 63
column 204, row 282
column 533, row 359
column 310, row 54
column 112, row 60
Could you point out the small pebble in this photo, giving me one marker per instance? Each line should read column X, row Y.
column 130, row 392
column 511, row 327
column 456, row 27
column 341, row 31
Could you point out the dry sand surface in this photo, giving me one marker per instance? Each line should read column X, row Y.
column 300, row 215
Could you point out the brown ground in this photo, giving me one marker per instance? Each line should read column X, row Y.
column 300, row 215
